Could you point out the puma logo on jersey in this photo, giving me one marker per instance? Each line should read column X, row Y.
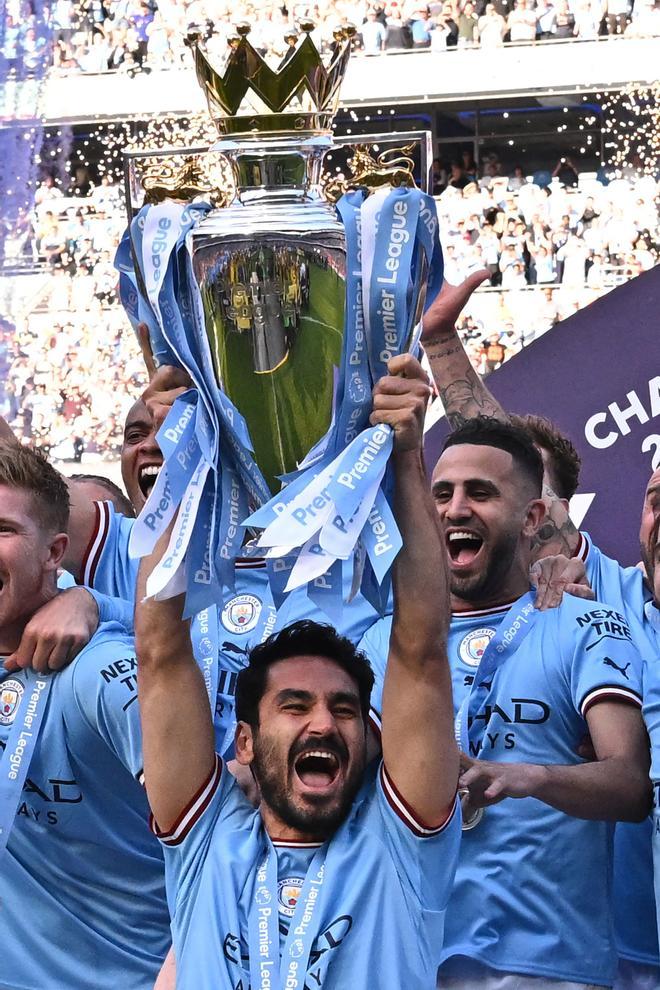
column 622, row 670
column 232, row 648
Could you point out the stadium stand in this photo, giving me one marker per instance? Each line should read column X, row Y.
column 553, row 235
column 550, row 252
column 127, row 35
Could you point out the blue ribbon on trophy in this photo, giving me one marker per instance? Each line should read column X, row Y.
column 132, row 292
column 338, row 497
column 209, row 476
column 250, row 295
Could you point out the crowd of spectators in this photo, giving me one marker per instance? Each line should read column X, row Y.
column 131, row 35
column 553, row 247
column 488, row 23
column 550, row 250
column 70, row 379
column 71, row 364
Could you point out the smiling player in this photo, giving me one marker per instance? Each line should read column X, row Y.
column 81, row 879
column 464, row 396
column 532, row 890
column 261, row 898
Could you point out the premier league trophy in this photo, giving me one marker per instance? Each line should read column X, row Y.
column 271, row 264
column 284, row 306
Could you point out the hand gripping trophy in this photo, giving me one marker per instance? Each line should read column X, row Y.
column 284, row 306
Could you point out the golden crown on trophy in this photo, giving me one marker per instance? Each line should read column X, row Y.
column 300, row 95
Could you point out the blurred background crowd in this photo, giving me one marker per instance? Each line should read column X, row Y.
column 129, row 35
column 555, row 231
column 550, row 250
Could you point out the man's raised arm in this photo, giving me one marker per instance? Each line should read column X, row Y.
column 461, row 390
column 177, row 726
column 464, row 396
column 419, row 750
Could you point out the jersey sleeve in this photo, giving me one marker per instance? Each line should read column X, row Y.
column 114, row 609
column 105, row 694
column 375, row 644
column 186, row 843
column 106, row 565
column 623, row 587
column 604, row 663
column 65, row 580
column 425, row 857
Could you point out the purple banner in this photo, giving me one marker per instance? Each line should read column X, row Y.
column 597, row 376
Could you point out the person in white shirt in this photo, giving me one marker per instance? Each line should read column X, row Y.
column 616, row 16
column 373, row 35
column 513, row 277
column 546, row 18
column 574, row 255
column 522, row 21
column 492, row 27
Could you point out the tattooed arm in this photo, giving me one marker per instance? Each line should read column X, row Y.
column 461, row 390
column 464, row 395
column 557, row 533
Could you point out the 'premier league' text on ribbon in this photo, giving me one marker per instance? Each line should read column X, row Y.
column 343, row 502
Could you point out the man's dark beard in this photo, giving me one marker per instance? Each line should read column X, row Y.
column 272, row 780
column 484, row 587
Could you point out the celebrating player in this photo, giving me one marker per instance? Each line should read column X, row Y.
column 567, row 560
column 327, row 884
column 524, row 704
column 652, row 683
column 98, row 556
column 81, row 878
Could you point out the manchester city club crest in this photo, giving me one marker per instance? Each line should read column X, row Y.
column 11, row 692
column 241, row 614
column 472, row 646
column 288, row 892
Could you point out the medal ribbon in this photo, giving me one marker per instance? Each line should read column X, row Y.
column 511, row 632
column 269, row 970
column 20, row 747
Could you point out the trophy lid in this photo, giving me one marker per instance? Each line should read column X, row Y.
column 300, row 96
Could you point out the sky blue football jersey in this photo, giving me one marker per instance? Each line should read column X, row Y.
column 82, row 879
column 379, row 922
column 651, row 687
column 635, row 925
column 106, row 564
column 247, row 615
column 533, row 887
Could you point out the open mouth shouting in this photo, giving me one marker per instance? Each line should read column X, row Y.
column 463, row 547
column 147, row 475
column 317, row 769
